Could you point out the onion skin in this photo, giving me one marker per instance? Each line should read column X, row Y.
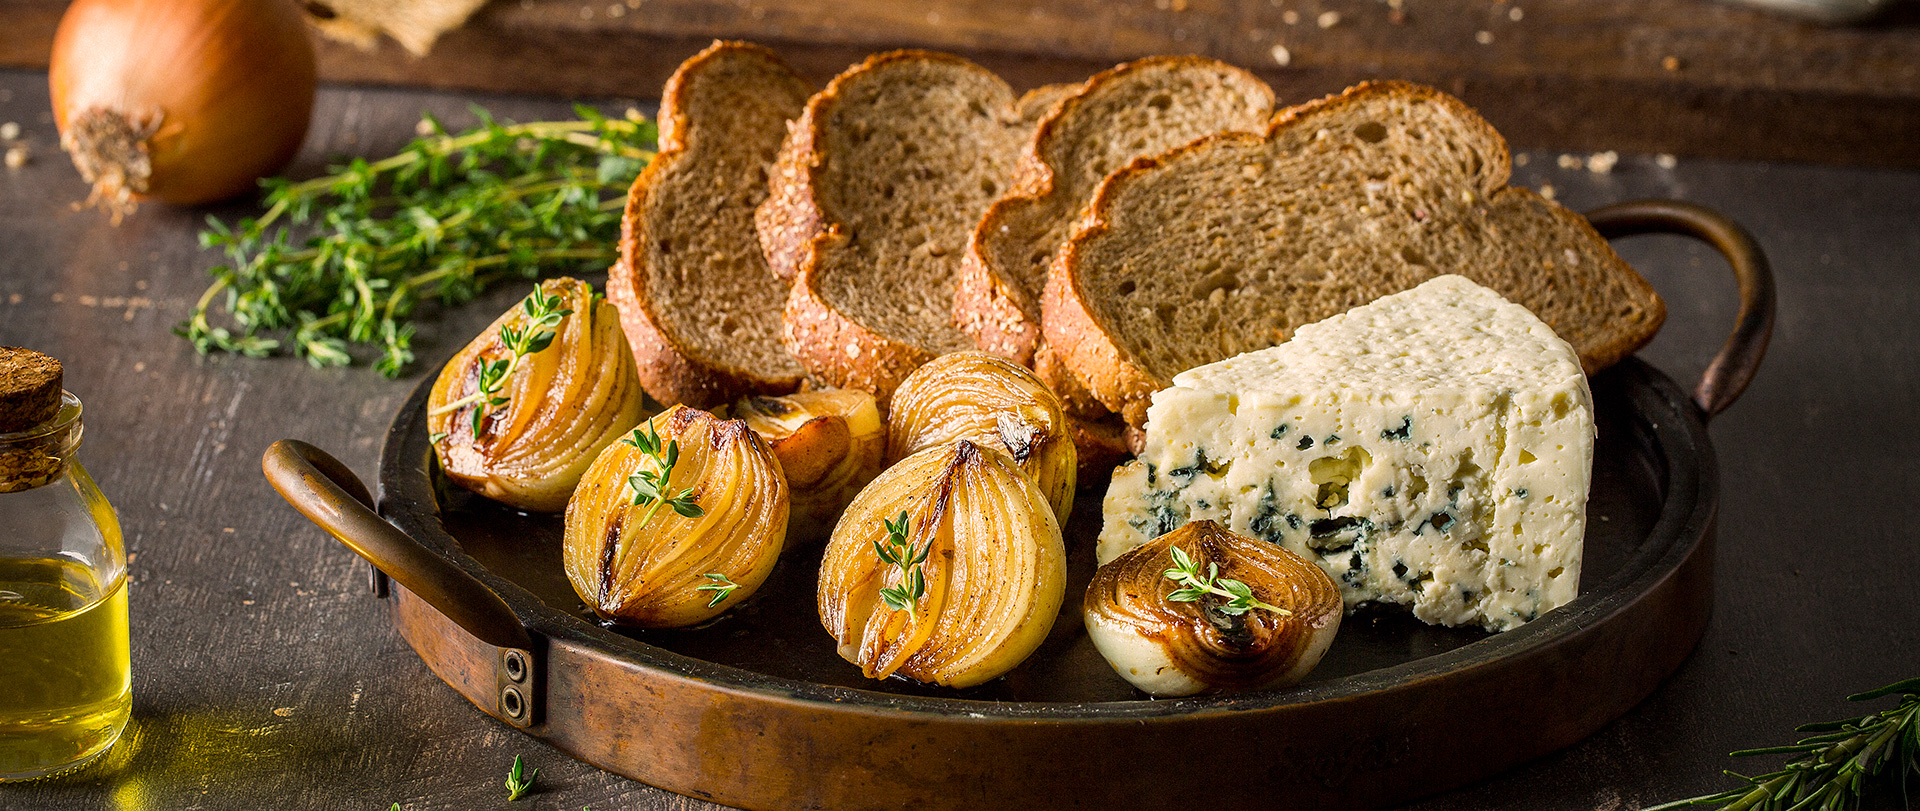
column 830, row 444
column 186, row 101
column 1168, row 648
column 991, row 401
column 566, row 404
column 995, row 569
column 650, row 575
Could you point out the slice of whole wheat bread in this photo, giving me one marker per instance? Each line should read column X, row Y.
column 1143, row 107
column 875, row 191
column 1230, row 243
column 695, row 297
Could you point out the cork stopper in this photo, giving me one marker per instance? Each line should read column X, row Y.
column 29, row 389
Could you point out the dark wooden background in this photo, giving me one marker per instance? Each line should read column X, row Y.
column 1687, row 77
column 267, row 677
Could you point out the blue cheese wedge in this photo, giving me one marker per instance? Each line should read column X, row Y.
column 1431, row 449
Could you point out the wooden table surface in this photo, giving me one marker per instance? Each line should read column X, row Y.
column 266, row 676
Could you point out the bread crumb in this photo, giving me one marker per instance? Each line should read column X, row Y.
column 1282, row 56
column 283, row 711
column 1522, row 159
column 1483, row 37
column 1601, row 163
column 9, row 131
column 1328, row 19
column 1396, row 5
column 1515, row 14
column 1672, row 63
column 17, row 156
column 1546, row 190
column 853, row 350
column 1571, row 162
column 1290, row 17
column 586, row 12
column 1665, row 161
column 616, row 11
column 1179, row 5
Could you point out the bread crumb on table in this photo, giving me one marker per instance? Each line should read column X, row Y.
column 1483, row 37
column 1290, row 17
column 1282, row 56
column 1328, row 19
column 1601, row 163
column 1571, row 162
column 1515, row 14
column 9, row 130
column 1665, row 161
column 1547, row 191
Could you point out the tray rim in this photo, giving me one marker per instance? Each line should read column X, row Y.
column 1684, row 522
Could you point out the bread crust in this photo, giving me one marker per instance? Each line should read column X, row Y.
column 796, row 232
column 671, row 370
column 1086, row 343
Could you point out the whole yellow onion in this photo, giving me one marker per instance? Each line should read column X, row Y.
column 527, row 442
column 829, row 443
column 977, row 574
column 676, row 523
column 187, row 101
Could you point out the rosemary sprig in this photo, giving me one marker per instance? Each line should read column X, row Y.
column 516, row 784
column 1238, row 596
column 898, row 551
column 1832, row 769
column 656, row 486
column 721, row 587
column 444, row 218
column 543, row 318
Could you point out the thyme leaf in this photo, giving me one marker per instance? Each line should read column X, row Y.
column 721, row 587
column 898, row 552
column 1238, row 596
column 656, row 486
column 443, row 219
column 517, row 784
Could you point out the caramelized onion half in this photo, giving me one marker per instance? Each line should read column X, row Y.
column 1169, row 648
column 829, row 443
column 991, row 401
column 564, row 405
column 995, row 569
column 647, row 566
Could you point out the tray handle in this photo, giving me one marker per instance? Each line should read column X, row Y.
column 1732, row 369
column 328, row 494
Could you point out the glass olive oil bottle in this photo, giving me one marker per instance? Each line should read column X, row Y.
column 64, row 673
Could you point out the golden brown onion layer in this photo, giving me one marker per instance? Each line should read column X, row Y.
column 565, row 404
column 1181, row 648
column 829, row 442
column 644, row 566
column 990, row 401
column 995, row 569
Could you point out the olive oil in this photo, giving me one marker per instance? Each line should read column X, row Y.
column 64, row 677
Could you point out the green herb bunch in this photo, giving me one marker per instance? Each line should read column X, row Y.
column 443, row 219
column 1832, row 769
column 1238, row 596
column 543, row 319
column 655, row 487
column 898, row 552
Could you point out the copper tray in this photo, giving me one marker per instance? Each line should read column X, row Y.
column 756, row 710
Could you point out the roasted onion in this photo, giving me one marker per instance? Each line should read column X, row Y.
column 992, row 401
column 990, row 565
column 1169, row 647
column 704, row 541
column 187, row 101
column 563, row 404
column 829, row 443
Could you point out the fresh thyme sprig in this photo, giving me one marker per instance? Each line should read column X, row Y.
column 898, row 551
column 1239, row 596
column 656, row 486
column 443, row 219
column 721, row 587
column 516, row 785
column 543, row 319
column 1833, row 768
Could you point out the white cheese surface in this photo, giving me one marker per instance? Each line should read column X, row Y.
column 1431, row 449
